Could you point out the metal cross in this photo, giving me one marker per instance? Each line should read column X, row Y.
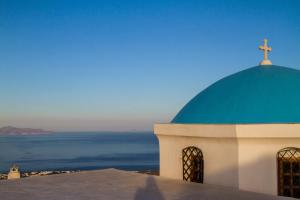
column 266, row 49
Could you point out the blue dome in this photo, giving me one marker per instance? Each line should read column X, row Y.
column 261, row 94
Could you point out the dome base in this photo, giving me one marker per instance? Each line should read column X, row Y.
column 265, row 62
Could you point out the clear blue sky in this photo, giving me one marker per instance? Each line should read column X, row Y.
column 124, row 65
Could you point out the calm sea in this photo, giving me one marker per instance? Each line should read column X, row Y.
column 80, row 151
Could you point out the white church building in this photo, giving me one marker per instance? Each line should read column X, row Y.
column 243, row 131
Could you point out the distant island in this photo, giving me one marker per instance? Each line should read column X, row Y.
column 9, row 130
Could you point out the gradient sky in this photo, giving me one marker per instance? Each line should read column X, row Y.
column 124, row 65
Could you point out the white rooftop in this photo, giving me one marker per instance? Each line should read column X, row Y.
column 116, row 184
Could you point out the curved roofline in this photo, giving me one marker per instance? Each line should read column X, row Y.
column 263, row 81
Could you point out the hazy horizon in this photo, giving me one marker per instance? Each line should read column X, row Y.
column 83, row 130
column 125, row 65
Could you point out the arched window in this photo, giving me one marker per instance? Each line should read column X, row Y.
column 288, row 165
column 192, row 160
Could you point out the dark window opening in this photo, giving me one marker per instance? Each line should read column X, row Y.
column 192, row 160
column 288, row 164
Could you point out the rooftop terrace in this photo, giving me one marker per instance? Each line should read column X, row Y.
column 116, row 184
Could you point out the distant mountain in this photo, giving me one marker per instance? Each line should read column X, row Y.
column 9, row 130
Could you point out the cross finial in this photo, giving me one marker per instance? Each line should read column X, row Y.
column 266, row 50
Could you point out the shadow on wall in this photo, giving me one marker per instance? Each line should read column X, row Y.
column 258, row 175
column 262, row 172
column 149, row 192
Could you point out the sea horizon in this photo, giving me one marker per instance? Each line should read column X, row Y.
column 80, row 150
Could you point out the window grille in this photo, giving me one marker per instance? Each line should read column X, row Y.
column 192, row 160
column 288, row 164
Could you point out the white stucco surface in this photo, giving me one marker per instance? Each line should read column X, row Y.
column 239, row 156
column 114, row 184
